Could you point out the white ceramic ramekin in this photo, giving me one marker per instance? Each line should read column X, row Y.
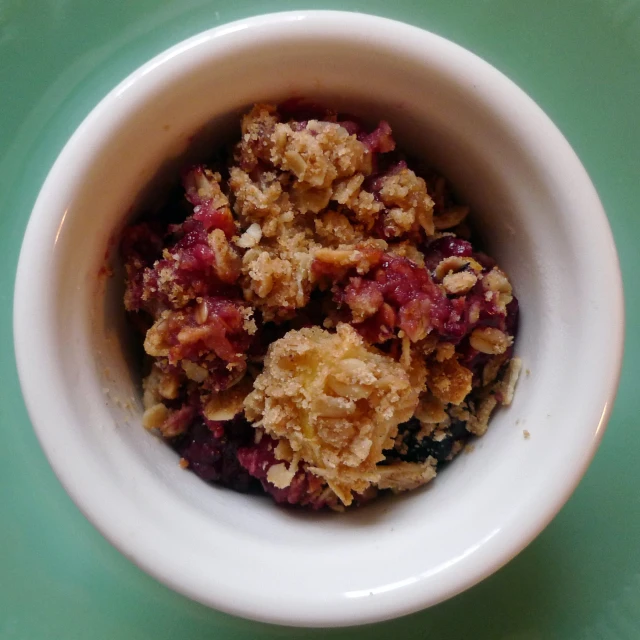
column 540, row 216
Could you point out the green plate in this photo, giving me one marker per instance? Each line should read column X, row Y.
column 580, row 60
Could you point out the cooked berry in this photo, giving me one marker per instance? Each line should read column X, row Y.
column 211, row 451
column 411, row 448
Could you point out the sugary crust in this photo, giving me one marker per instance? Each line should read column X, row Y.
column 338, row 402
column 300, row 190
column 411, row 348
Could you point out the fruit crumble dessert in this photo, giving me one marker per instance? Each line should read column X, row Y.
column 318, row 323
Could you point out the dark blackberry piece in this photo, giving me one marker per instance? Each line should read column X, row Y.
column 410, row 449
column 211, row 451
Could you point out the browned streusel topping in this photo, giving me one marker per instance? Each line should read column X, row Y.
column 227, row 404
column 405, row 476
column 449, row 381
column 277, row 276
column 336, row 400
column 407, row 203
column 325, row 297
column 319, row 154
column 300, row 189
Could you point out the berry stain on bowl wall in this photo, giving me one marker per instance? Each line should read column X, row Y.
column 318, row 321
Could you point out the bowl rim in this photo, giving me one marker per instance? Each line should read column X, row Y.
column 33, row 261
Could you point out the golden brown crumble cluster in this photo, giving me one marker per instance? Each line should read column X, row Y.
column 300, row 190
column 337, row 402
column 319, row 323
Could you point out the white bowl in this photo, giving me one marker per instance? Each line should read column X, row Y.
column 541, row 218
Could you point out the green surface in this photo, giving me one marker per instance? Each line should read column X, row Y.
column 580, row 59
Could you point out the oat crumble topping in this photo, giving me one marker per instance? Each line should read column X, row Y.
column 317, row 322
